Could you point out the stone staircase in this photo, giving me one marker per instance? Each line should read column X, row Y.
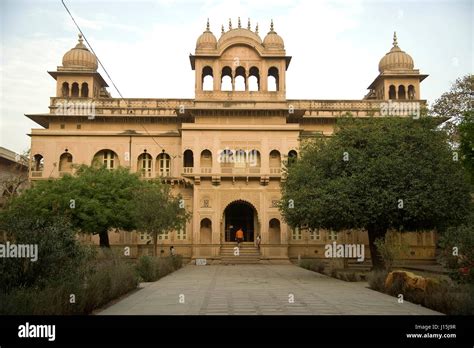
column 248, row 254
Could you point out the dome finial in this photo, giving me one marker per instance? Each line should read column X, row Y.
column 238, row 23
column 80, row 38
column 256, row 29
column 207, row 25
column 230, row 24
column 395, row 43
column 271, row 25
column 248, row 24
column 222, row 29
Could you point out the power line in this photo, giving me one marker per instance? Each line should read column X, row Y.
column 110, row 78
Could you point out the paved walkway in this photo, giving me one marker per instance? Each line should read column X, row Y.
column 258, row 289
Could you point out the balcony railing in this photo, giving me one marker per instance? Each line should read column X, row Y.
column 188, row 170
column 36, row 174
column 275, row 170
column 240, row 170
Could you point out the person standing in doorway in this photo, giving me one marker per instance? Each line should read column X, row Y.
column 239, row 236
column 257, row 242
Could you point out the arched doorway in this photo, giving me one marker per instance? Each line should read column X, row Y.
column 240, row 214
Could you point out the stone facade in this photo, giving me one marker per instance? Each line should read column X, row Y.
column 224, row 150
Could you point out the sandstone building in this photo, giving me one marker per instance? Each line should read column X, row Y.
column 224, row 150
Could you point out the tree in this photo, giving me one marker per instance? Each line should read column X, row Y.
column 94, row 200
column 377, row 174
column 14, row 180
column 466, row 146
column 157, row 211
column 454, row 104
column 457, row 100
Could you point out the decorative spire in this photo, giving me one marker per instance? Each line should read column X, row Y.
column 395, row 43
column 271, row 25
column 230, row 24
column 256, row 29
column 80, row 38
column 248, row 24
column 207, row 25
column 222, row 29
column 239, row 25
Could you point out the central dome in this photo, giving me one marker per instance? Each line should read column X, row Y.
column 396, row 59
column 80, row 58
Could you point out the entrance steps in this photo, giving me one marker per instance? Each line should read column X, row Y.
column 248, row 254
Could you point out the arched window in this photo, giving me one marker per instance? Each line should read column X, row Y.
column 144, row 164
column 163, row 164
column 240, row 83
column 38, row 165
column 275, row 162
column 254, row 79
column 65, row 90
column 207, row 79
column 188, row 161
column 391, row 92
column 65, row 163
column 226, row 79
column 206, row 161
column 292, row 156
column 226, row 158
column 240, row 158
column 106, row 158
column 411, row 92
column 273, row 80
column 206, row 231
column 85, row 90
column 254, row 159
column 75, row 90
column 401, row 92
column 274, row 231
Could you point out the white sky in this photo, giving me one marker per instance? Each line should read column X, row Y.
column 145, row 46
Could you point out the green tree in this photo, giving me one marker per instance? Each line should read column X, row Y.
column 466, row 146
column 454, row 104
column 94, row 200
column 157, row 211
column 377, row 174
column 457, row 100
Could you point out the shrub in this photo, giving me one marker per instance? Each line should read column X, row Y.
column 351, row 277
column 151, row 269
column 313, row 265
column 60, row 255
column 146, row 268
column 391, row 249
column 376, row 280
column 104, row 281
column 461, row 264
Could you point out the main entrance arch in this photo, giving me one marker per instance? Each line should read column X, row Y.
column 240, row 214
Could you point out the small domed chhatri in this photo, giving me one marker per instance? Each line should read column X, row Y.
column 396, row 59
column 80, row 58
column 207, row 40
column 273, row 41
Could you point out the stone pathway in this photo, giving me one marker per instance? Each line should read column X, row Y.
column 258, row 289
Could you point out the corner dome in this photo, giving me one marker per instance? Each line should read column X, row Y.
column 273, row 41
column 80, row 58
column 396, row 59
column 207, row 40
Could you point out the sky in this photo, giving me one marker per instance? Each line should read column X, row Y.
column 145, row 45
